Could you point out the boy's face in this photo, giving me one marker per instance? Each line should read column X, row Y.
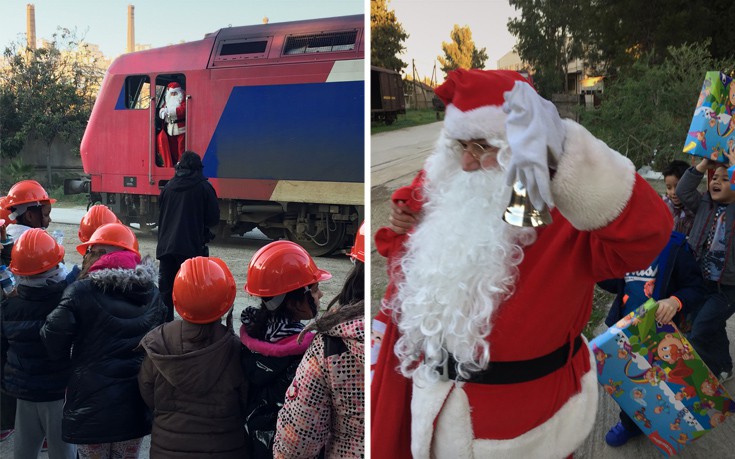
column 719, row 187
column 671, row 181
column 37, row 217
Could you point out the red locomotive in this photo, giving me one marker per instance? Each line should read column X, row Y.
column 275, row 110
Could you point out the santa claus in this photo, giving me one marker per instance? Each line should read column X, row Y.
column 482, row 353
column 172, row 138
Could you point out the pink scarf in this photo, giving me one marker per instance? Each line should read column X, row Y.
column 124, row 259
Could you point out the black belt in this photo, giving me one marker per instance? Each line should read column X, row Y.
column 517, row 371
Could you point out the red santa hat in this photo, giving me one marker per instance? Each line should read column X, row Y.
column 173, row 85
column 474, row 101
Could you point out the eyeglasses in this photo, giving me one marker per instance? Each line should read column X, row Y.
column 476, row 150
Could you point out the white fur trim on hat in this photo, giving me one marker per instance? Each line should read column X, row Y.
column 486, row 122
column 593, row 183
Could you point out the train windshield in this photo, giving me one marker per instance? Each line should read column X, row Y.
column 137, row 92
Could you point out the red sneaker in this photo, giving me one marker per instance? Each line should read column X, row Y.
column 5, row 434
column 44, row 447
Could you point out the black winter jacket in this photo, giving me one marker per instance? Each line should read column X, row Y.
column 269, row 368
column 101, row 319
column 28, row 371
column 188, row 208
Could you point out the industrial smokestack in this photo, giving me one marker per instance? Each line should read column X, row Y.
column 31, row 26
column 131, row 29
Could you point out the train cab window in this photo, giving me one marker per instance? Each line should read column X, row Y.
column 137, row 92
column 320, row 43
column 245, row 47
column 235, row 50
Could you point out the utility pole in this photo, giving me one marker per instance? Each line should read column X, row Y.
column 414, row 76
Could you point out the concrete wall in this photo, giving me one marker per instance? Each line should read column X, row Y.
column 65, row 162
column 567, row 104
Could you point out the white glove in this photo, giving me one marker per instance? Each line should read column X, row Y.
column 162, row 113
column 534, row 131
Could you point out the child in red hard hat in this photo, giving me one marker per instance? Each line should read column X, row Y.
column 325, row 404
column 286, row 280
column 37, row 381
column 195, row 363
column 99, row 320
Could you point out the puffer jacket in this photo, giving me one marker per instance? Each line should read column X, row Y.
column 28, row 371
column 100, row 320
column 324, row 408
column 269, row 368
column 197, row 392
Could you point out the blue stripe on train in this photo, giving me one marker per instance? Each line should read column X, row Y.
column 120, row 104
column 311, row 132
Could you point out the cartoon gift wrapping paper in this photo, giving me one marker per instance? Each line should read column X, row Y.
column 659, row 380
column 712, row 131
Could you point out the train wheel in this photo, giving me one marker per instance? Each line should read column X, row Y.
column 322, row 243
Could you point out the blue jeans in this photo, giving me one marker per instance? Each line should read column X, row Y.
column 708, row 335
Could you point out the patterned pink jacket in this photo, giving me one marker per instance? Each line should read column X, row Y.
column 325, row 404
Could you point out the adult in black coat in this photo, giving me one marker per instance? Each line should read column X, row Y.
column 100, row 319
column 188, row 208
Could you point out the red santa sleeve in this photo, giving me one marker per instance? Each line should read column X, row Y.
column 181, row 111
column 599, row 192
column 387, row 242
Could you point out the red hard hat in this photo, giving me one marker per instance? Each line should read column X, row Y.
column 95, row 217
column 35, row 252
column 280, row 267
column 204, row 290
column 24, row 192
column 114, row 234
column 5, row 213
column 358, row 250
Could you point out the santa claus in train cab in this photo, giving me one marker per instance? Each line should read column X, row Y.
column 172, row 138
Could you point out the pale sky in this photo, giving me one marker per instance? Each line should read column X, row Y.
column 158, row 23
column 429, row 22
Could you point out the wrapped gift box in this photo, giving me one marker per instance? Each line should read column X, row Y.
column 657, row 378
column 712, row 130
column 731, row 176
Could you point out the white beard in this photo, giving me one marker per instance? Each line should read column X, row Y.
column 172, row 102
column 460, row 265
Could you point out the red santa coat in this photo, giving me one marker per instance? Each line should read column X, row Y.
column 608, row 221
column 172, row 140
column 179, row 126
